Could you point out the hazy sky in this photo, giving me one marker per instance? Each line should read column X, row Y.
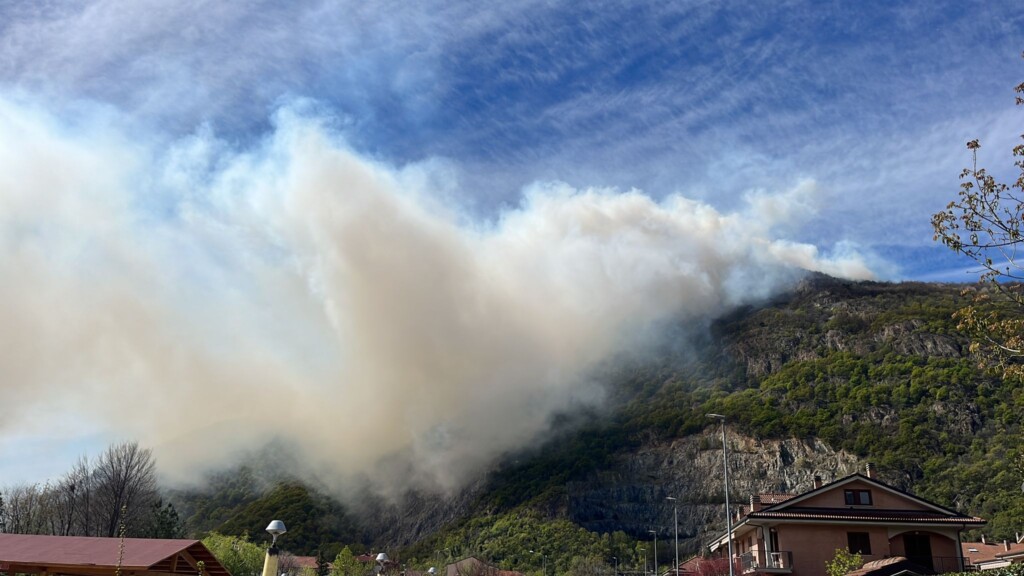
column 412, row 226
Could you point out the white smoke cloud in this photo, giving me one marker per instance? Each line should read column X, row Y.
column 205, row 300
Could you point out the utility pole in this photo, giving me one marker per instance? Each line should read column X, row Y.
column 675, row 522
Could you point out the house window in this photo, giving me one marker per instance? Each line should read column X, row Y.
column 858, row 497
column 858, row 542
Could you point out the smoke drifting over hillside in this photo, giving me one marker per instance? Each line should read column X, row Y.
column 204, row 299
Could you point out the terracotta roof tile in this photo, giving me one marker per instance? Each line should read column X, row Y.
column 889, row 567
column 771, row 498
column 873, row 515
column 978, row 552
column 305, row 561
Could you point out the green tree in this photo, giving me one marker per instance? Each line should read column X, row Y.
column 345, row 564
column 588, row 566
column 844, row 561
column 240, row 556
column 164, row 522
column 984, row 224
column 323, row 567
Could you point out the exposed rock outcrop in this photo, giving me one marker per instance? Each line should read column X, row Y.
column 632, row 495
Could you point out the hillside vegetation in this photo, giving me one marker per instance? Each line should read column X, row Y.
column 875, row 370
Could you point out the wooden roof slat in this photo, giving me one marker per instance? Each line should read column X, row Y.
column 87, row 556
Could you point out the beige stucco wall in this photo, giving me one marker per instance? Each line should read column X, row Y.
column 943, row 542
column 880, row 498
column 814, row 545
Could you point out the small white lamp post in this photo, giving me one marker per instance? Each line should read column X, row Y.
column 655, row 533
column 276, row 528
column 728, row 511
column 543, row 562
column 675, row 520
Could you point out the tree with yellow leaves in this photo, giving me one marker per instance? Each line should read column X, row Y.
column 984, row 224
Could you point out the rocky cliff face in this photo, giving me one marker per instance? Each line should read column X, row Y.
column 632, row 495
column 825, row 314
column 663, row 456
column 822, row 315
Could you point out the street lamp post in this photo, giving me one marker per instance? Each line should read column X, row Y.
column 616, row 558
column 675, row 522
column 728, row 510
column 655, row 552
column 644, row 550
column 270, row 561
column 543, row 562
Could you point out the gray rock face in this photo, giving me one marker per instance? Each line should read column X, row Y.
column 632, row 496
column 910, row 339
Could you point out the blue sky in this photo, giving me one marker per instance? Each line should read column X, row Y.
column 847, row 120
column 873, row 100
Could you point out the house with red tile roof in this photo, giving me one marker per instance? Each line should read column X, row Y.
column 300, row 565
column 991, row 555
column 799, row 533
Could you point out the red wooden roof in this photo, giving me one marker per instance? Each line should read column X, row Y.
column 79, row 554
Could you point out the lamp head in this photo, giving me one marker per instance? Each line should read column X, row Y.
column 382, row 557
column 276, row 528
column 432, row 571
column 716, row 416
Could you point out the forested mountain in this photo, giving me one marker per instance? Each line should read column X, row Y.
column 820, row 380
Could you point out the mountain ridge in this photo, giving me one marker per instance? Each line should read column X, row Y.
column 818, row 380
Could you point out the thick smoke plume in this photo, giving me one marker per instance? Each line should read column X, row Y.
column 205, row 300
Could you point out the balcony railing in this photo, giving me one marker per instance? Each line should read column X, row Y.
column 935, row 564
column 780, row 562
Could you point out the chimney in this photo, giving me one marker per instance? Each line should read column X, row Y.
column 1006, row 546
column 870, row 469
column 817, row 481
column 1020, row 537
column 983, row 539
column 755, row 503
